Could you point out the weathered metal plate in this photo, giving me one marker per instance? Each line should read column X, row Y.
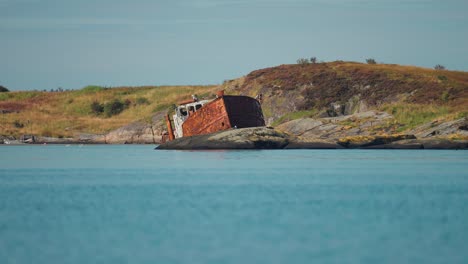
column 210, row 118
column 224, row 113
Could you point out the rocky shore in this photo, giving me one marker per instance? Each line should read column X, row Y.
column 340, row 132
column 269, row 138
column 134, row 133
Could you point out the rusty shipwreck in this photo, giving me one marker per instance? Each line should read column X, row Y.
column 198, row 117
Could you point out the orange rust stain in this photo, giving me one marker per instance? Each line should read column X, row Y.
column 169, row 128
column 224, row 113
column 212, row 117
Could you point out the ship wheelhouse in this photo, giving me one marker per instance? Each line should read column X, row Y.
column 182, row 112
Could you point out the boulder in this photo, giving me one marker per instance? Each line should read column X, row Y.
column 361, row 123
column 134, row 133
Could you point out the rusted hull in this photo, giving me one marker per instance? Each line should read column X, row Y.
column 224, row 113
column 170, row 130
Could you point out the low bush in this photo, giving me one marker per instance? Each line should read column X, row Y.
column 97, row 108
column 371, row 61
column 114, row 107
column 18, row 124
column 302, row 61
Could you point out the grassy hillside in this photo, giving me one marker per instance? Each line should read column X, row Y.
column 413, row 95
column 61, row 114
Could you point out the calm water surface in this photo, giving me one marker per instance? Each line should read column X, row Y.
column 133, row 204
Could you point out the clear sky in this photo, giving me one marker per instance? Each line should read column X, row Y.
column 46, row 44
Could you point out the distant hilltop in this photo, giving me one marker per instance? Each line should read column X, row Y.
column 322, row 100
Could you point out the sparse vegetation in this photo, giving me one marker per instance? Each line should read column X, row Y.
column 409, row 116
column 445, row 96
column 371, row 61
column 442, row 77
column 92, row 89
column 294, row 116
column 439, row 67
column 142, row 101
column 66, row 113
column 302, row 61
column 313, row 60
column 413, row 95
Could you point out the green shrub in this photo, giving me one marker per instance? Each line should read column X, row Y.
column 97, row 108
column 302, row 61
column 371, row 61
column 18, row 124
column 113, row 108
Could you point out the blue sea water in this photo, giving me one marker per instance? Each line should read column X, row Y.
column 133, row 204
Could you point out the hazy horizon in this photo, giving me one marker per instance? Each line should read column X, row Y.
column 50, row 44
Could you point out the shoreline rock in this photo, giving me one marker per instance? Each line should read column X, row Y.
column 268, row 138
column 244, row 138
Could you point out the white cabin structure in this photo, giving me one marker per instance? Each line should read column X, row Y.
column 182, row 112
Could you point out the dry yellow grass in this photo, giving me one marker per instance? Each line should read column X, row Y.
column 63, row 114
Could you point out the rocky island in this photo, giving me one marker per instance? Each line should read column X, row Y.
column 309, row 105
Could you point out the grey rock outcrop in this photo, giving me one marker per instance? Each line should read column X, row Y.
column 268, row 138
column 333, row 128
column 244, row 138
column 90, row 138
column 436, row 128
column 135, row 133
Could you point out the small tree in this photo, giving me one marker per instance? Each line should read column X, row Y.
column 439, row 67
column 97, row 108
column 3, row 89
column 113, row 108
column 371, row 61
column 313, row 60
column 302, row 61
